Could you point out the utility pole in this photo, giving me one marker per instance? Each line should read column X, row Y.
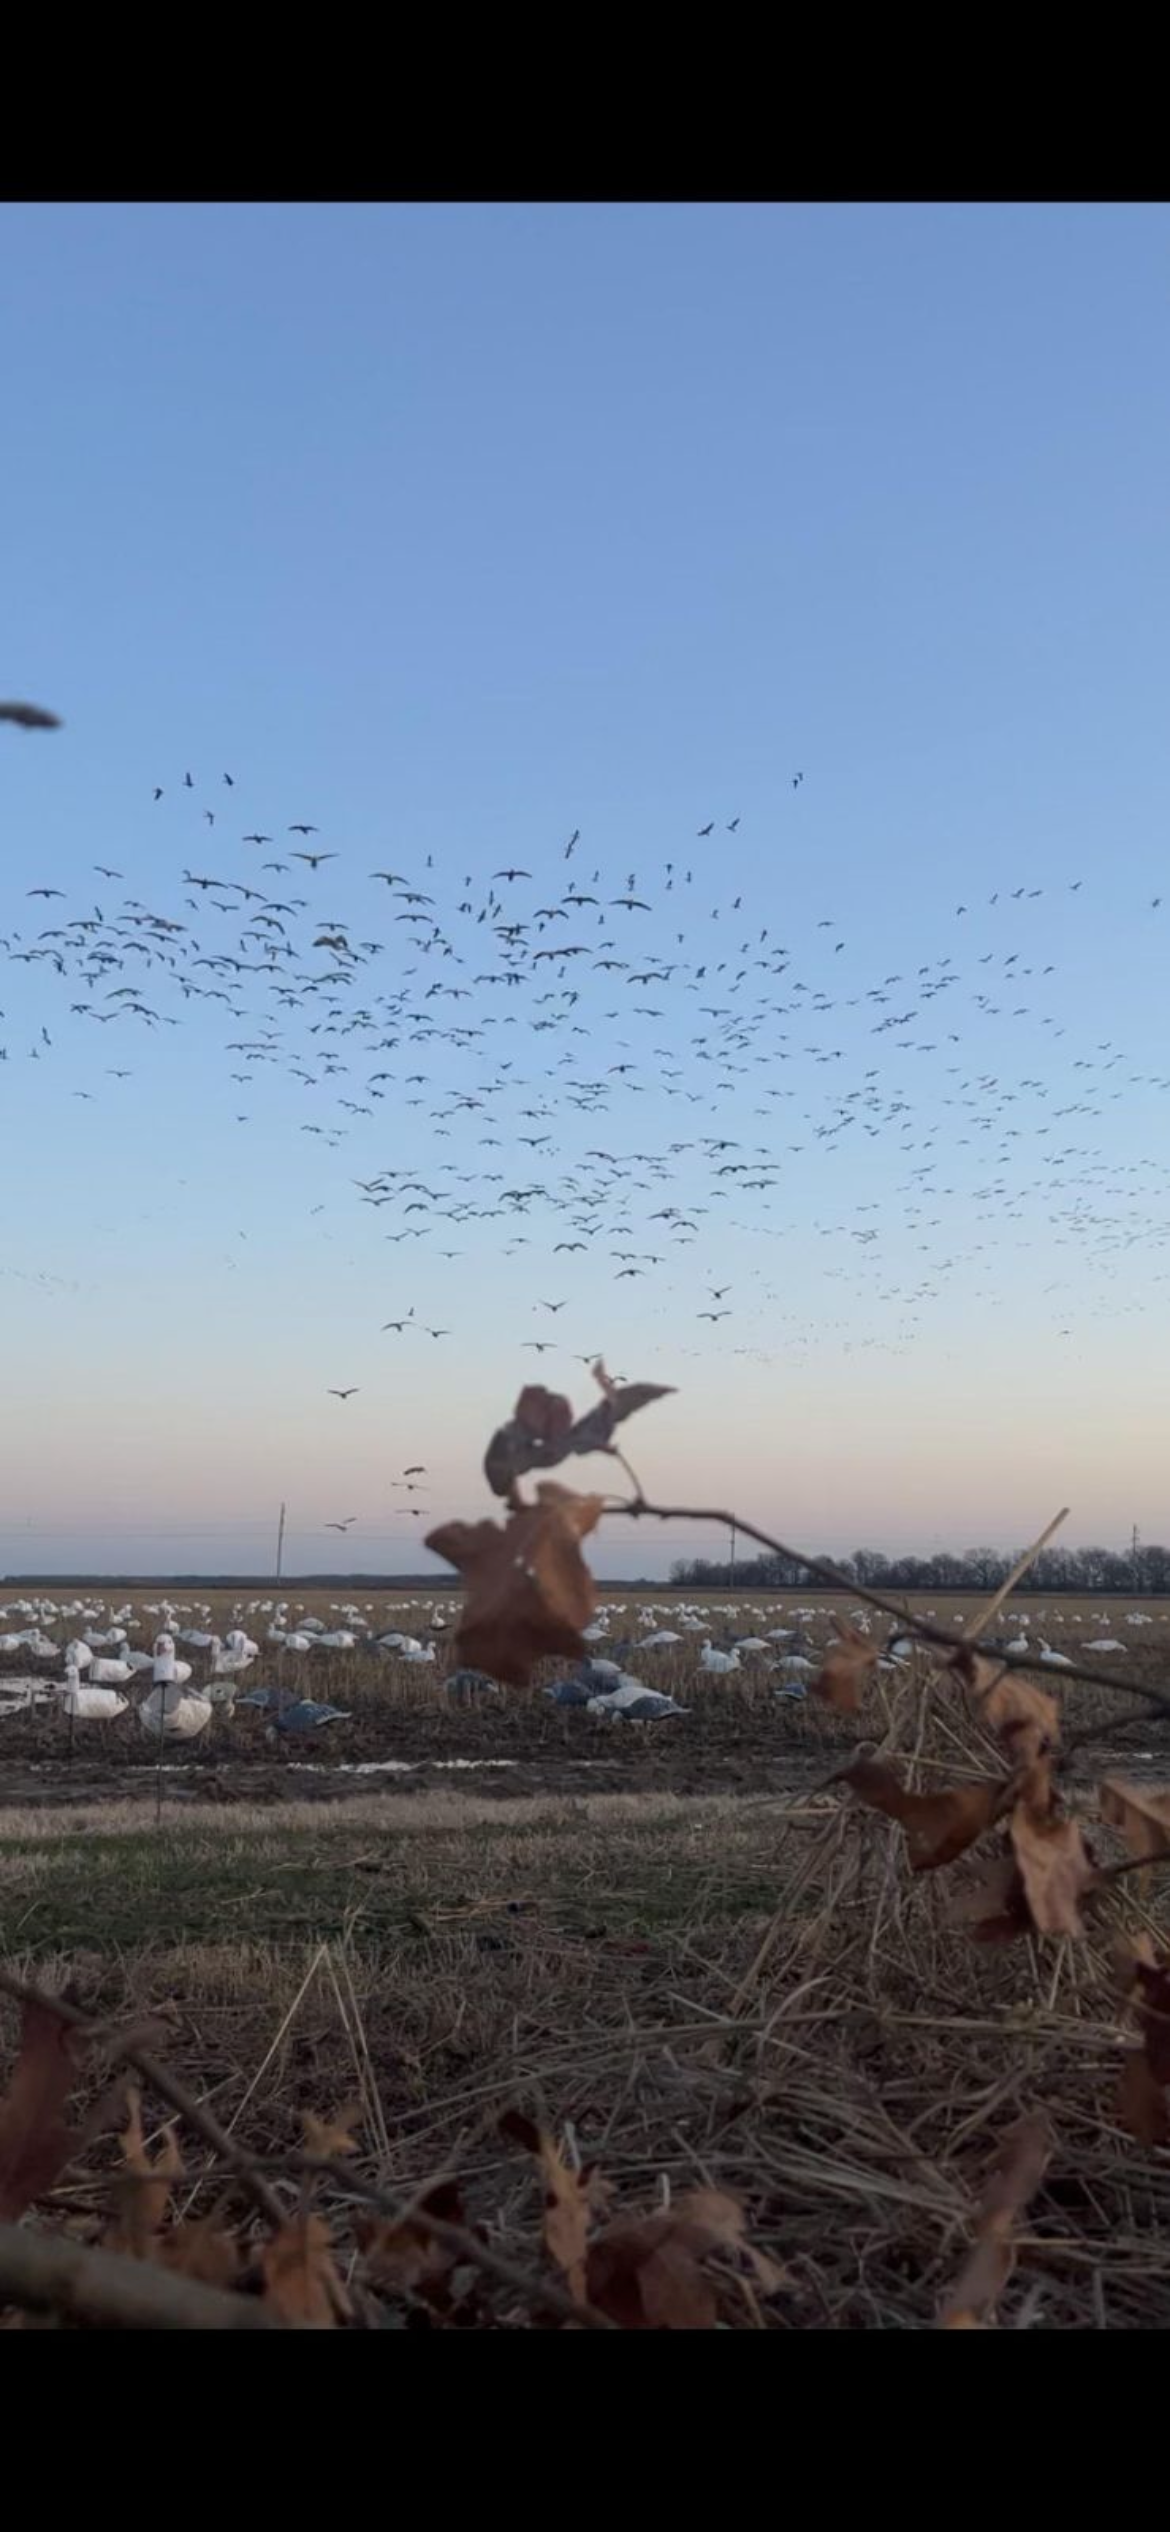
column 1135, row 1550
column 732, row 1584
column 280, row 1544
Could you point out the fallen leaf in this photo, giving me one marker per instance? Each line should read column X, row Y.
column 569, row 2199
column 202, row 2251
column 1024, row 1718
column 301, row 2280
column 403, row 2255
column 542, row 1433
column 332, row 2137
column 641, row 2276
column 979, row 2285
column 938, row 1825
column 722, row 2218
column 1016, row 2171
column 144, row 2186
column 1141, row 1812
column 1055, row 1866
column 1141, row 2103
column 1015, row 2175
column 993, row 1906
column 35, row 2142
column 645, row 2274
column 529, row 1590
column 842, row 1676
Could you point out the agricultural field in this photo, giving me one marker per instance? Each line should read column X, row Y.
column 401, row 1720
column 677, row 1945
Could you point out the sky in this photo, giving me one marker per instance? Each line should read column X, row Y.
column 457, row 531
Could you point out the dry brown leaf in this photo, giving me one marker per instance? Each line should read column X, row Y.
column 529, row 1590
column 334, row 2136
column 938, row 1825
column 35, row 2142
column 1141, row 2103
column 542, row 1432
column 1055, row 1866
column 1025, row 1719
column 1141, row 1812
column 143, row 2188
column 993, row 1906
column 301, row 2281
column 1015, row 2175
column 644, row 2278
column 403, row 2256
column 845, row 1670
column 645, row 2274
column 979, row 2284
column 569, row 2199
column 202, row 2251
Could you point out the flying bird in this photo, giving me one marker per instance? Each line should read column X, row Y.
column 341, row 1393
column 29, row 716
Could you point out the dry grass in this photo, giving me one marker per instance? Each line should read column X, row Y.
column 746, row 1989
column 747, row 1994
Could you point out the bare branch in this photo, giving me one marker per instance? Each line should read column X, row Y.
column 43, row 2272
column 169, row 2086
column 921, row 1628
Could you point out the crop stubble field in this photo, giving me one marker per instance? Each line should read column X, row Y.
column 679, row 1939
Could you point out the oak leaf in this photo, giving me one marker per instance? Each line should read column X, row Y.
column 1024, row 1719
column 542, row 1432
column 144, row 2185
column 1141, row 2103
column 939, row 1825
column 1014, row 2178
column 301, row 2280
column 1141, row 1812
column 403, row 2255
column 333, row 2137
column 569, row 2199
column 529, row 1590
column 201, row 2250
column 845, row 1669
column 35, row 2141
column 1055, row 1866
column 645, row 2273
column 994, row 1905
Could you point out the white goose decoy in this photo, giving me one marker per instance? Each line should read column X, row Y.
column 90, row 1704
column 1054, row 1661
column 712, row 1660
column 1019, row 1645
column 171, row 1711
column 234, row 1656
column 78, row 1654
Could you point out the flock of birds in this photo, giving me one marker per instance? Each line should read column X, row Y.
column 463, row 1051
column 91, row 1672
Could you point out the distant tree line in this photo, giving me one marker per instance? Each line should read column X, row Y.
column 1082, row 1569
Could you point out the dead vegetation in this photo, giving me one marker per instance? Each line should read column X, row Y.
column 888, row 2051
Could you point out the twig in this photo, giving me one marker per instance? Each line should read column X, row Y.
column 456, row 2238
column 43, row 2272
column 168, row 2085
column 833, row 1578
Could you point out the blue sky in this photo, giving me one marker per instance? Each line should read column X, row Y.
column 451, row 531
